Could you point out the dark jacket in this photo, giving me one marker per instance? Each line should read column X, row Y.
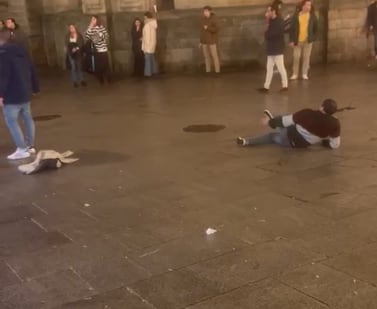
column 209, row 36
column 71, row 45
column 136, row 39
column 274, row 37
column 18, row 80
column 18, row 36
column 372, row 16
column 312, row 28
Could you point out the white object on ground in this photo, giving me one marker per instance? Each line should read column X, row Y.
column 210, row 231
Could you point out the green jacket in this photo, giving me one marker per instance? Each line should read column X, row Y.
column 312, row 28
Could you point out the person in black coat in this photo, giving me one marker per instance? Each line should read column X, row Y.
column 372, row 23
column 74, row 43
column 137, row 34
column 274, row 40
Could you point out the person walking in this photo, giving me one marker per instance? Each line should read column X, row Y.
column 149, row 44
column 137, row 35
column 99, row 37
column 274, row 38
column 303, row 32
column 74, row 43
column 18, row 83
column 209, row 39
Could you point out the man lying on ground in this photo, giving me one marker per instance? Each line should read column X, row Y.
column 301, row 129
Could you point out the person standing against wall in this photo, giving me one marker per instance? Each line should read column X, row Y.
column 209, row 39
column 372, row 23
column 74, row 43
column 274, row 38
column 303, row 32
column 99, row 37
column 18, row 83
column 137, row 35
column 16, row 33
column 149, row 44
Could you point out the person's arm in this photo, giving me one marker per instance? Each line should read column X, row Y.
column 315, row 27
column 281, row 122
column 293, row 30
column 104, row 33
column 213, row 26
column 333, row 142
column 369, row 21
column 88, row 33
column 275, row 31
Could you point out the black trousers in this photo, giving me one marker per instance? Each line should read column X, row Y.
column 138, row 63
column 102, row 70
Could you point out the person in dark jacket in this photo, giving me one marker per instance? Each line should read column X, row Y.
column 301, row 129
column 137, row 35
column 209, row 39
column 74, row 43
column 303, row 32
column 17, row 35
column 17, row 84
column 371, row 23
column 274, row 39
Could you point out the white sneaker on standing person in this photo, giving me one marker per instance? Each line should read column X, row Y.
column 18, row 82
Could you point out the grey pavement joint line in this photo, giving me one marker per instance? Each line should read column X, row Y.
column 89, row 215
column 137, row 265
column 39, row 225
column 14, row 272
column 39, row 208
column 82, row 279
column 303, row 293
column 134, row 293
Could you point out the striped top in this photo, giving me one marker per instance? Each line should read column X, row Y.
column 98, row 35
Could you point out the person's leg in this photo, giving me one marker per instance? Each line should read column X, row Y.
column 279, row 61
column 148, row 65
column 99, row 67
column 306, row 59
column 73, row 69
column 259, row 140
column 215, row 57
column 29, row 126
column 375, row 43
column 207, row 58
column 154, row 64
column 79, row 73
column 296, row 60
column 11, row 113
column 280, row 137
column 270, row 71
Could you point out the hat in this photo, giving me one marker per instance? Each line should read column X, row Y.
column 330, row 106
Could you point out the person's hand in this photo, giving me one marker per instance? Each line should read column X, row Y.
column 265, row 121
column 291, row 44
column 200, row 45
column 371, row 28
column 1, row 102
column 205, row 27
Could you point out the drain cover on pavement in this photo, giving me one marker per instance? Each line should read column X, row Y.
column 204, row 128
column 46, row 117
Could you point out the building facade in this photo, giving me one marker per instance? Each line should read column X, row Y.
column 241, row 38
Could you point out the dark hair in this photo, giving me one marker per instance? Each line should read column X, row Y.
column 303, row 2
column 148, row 14
column 275, row 7
column 98, row 20
column 13, row 21
column 329, row 106
column 133, row 28
column 207, row 8
column 74, row 26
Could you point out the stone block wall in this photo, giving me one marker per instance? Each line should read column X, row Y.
column 346, row 36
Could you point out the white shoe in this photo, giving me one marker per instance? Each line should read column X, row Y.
column 293, row 77
column 31, row 150
column 19, row 154
column 305, row 77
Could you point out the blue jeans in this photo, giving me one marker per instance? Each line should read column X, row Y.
column 279, row 137
column 150, row 66
column 11, row 114
column 76, row 72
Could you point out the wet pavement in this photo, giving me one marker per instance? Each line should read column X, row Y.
column 125, row 227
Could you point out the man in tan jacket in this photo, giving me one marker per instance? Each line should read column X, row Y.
column 209, row 39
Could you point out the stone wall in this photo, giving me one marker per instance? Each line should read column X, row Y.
column 346, row 38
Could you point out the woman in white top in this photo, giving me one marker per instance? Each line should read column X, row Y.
column 99, row 36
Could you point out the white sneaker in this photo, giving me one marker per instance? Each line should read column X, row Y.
column 293, row 77
column 19, row 154
column 305, row 77
column 31, row 150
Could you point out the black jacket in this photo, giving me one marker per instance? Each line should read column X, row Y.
column 17, row 76
column 312, row 28
column 274, row 37
column 372, row 16
column 136, row 39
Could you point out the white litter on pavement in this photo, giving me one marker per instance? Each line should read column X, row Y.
column 211, row 231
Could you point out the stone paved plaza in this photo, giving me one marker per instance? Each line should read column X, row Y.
column 125, row 227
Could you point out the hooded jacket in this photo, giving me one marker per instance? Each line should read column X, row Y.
column 149, row 41
column 18, row 80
